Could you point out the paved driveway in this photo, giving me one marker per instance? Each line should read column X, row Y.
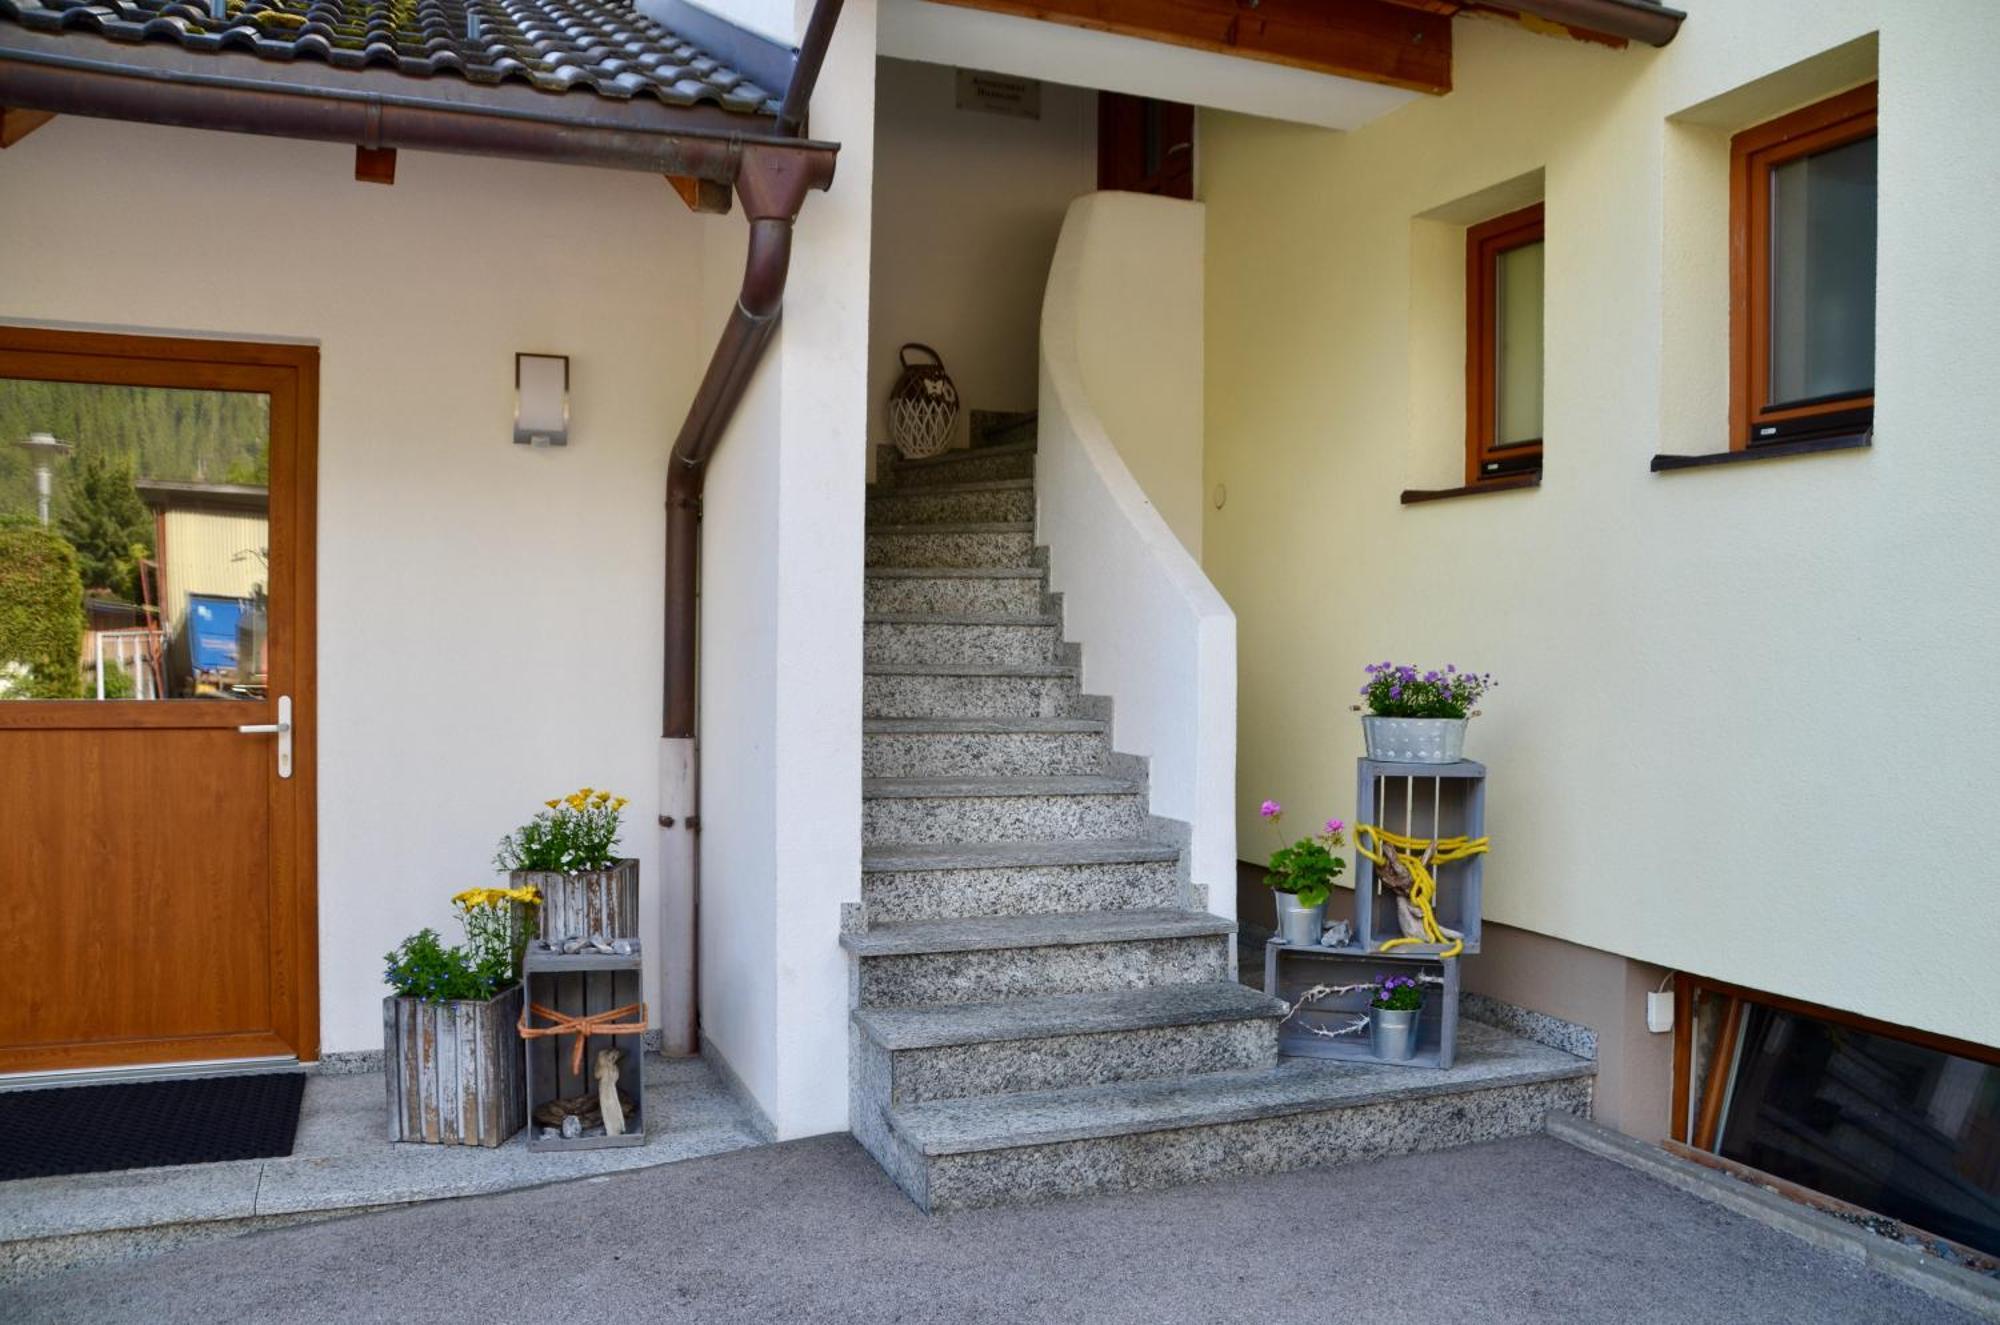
column 1522, row 1230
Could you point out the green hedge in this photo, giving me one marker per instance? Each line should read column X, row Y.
column 41, row 611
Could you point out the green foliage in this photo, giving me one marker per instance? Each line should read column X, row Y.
column 574, row 832
column 1399, row 691
column 250, row 470
column 1398, row 993
column 41, row 615
column 118, row 683
column 165, row 434
column 106, row 523
column 1306, row 869
column 423, row 967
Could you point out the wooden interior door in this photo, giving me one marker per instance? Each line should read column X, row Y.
column 1145, row 145
column 156, row 864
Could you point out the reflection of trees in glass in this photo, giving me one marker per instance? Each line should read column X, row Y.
column 212, row 436
column 106, row 523
column 41, row 614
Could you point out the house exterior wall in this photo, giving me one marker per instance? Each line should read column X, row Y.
column 210, row 552
column 489, row 615
column 1740, row 729
column 967, row 209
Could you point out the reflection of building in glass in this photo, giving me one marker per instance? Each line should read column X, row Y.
column 212, row 542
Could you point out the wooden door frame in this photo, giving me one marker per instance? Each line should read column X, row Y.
column 289, row 374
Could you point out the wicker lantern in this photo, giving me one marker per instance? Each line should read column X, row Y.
column 922, row 406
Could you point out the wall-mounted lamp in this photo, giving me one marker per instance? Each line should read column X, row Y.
column 541, row 399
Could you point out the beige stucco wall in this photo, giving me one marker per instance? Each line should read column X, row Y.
column 1743, row 727
column 967, row 209
column 489, row 615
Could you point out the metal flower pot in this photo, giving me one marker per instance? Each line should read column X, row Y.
column 1415, row 740
column 1393, row 1035
column 1297, row 923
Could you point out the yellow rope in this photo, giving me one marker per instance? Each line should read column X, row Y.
column 1412, row 851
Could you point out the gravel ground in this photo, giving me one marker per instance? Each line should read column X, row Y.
column 1523, row 1230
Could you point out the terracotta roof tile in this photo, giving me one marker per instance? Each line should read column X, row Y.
column 604, row 46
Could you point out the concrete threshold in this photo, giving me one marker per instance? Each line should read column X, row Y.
column 1955, row 1285
column 342, row 1163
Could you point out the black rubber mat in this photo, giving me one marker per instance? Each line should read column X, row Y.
column 146, row 1124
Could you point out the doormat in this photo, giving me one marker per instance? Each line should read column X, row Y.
column 147, row 1124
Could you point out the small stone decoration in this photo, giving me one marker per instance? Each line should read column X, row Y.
column 574, row 1116
column 581, row 943
column 1339, row 934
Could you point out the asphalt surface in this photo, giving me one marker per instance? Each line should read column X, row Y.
column 810, row 1231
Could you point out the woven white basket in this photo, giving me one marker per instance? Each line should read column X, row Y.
column 923, row 406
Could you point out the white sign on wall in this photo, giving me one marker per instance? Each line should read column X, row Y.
column 1000, row 94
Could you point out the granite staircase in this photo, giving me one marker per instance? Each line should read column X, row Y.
column 1042, row 1005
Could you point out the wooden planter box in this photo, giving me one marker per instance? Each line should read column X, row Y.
column 1290, row 970
column 580, row 985
column 454, row 1070
column 1426, row 801
column 589, row 902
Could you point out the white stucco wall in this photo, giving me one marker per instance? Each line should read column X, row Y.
column 781, row 642
column 489, row 615
column 1742, row 727
column 967, row 208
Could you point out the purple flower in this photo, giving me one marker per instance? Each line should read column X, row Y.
column 1395, row 692
column 1333, row 826
column 1271, row 810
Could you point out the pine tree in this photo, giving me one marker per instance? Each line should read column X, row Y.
column 106, row 523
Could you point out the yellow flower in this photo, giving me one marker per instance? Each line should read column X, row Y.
column 585, row 791
column 621, row 802
column 602, row 798
column 552, row 804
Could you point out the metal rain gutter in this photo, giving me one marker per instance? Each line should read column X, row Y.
column 1635, row 20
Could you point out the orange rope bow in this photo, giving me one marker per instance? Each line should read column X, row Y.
column 583, row 1027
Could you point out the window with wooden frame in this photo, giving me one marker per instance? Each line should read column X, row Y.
column 1503, row 347
column 1802, row 274
column 1841, row 1111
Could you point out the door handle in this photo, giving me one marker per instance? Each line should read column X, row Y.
column 282, row 729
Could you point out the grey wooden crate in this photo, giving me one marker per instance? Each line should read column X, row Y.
column 1291, row 969
column 588, row 902
column 453, row 1070
column 1427, row 801
column 577, row 985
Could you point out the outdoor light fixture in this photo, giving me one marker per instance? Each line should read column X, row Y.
column 541, row 399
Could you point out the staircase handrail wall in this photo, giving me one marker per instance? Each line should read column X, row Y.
column 1121, row 391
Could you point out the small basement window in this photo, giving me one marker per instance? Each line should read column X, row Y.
column 1899, row 1122
column 1802, row 274
column 1503, row 347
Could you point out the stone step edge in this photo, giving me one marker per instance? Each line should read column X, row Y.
column 916, row 938
column 1074, row 784
column 985, row 1123
column 1037, row 620
column 1029, row 670
column 954, row 572
column 955, row 527
column 919, row 857
column 960, row 453
column 1104, row 1012
column 945, row 726
column 968, row 485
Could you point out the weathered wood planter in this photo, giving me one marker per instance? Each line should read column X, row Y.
column 1291, row 969
column 588, row 902
column 454, row 1070
column 575, row 987
column 1426, row 801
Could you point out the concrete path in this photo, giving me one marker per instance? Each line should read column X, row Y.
column 1523, row 1230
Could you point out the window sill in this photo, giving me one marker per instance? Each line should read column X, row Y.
column 1667, row 464
column 1417, row 496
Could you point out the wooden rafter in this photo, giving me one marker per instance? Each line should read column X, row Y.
column 1369, row 40
column 16, row 124
column 701, row 195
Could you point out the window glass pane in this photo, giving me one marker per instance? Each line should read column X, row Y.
column 134, row 542
column 1823, row 274
column 1517, row 344
column 1908, row 1131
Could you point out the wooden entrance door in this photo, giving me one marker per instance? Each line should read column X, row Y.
column 156, row 599
column 1144, row 145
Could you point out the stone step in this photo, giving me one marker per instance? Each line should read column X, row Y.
column 1013, row 460
column 960, row 639
column 987, row 501
column 991, row 959
column 999, row 809
column 990, row 747
column 1000, row 590
column 953, row 1051
column 916, row 690
column 1018, row 1148
column 942, row 880
column 993, row 544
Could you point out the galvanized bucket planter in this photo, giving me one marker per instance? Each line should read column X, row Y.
column 1392, row 1034
column 604, row 902
column 1415, row 740
column 1296, row 923
column 454, row 1069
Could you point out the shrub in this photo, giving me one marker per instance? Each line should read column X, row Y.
column 1306, row 868
column 41, row 614
column 575, row 832
column 496, row 931
column 1396, row 691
